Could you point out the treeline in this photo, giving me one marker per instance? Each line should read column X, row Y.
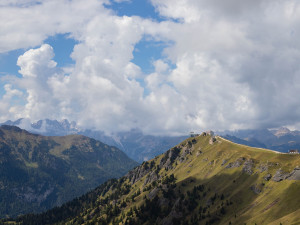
column 192, row 207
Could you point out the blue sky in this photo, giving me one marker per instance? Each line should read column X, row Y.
column 142, row 8
column 62, row 45
column 163, row 66
column 146, row 50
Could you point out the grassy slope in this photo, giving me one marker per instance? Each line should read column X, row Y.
column 251, row 208
column 278, row 202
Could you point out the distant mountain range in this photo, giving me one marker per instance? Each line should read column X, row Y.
column 134, row 143
column 203, row 180
column 39, row 172
column 281, row 139
column 46, row 127
column 141, row 147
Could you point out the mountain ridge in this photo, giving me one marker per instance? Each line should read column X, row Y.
column 40, row 172
column 134, row 143
column 203, row 180
column 142, row 147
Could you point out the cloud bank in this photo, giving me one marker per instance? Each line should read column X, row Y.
column 231, row 65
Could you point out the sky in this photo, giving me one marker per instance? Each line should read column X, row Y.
column 163, row 66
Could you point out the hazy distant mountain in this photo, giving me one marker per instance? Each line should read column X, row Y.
column 247, row 141
column 141, row 147
column 264, row 136
column 281, row 139
column 46, row 127
column 134, row 143
column 203, row 180
column 39, row 172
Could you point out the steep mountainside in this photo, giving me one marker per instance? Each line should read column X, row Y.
column 39, row 172
column 134, row 143
column 203, row 180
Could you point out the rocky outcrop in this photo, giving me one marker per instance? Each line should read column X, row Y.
column 153, row 193
column 179, row 153
column 248, row 166
column 256, row 188
column 280, row 175
column 295, row 174
column 185, row 151
column 136, row 174
column 169, row 157
column 198, row 153
column 262, row 167
column 212, row 140
column 153, row 176
column 268, row 177
column 235, row 164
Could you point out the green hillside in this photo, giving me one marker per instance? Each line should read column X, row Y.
column 38, row 172
column 203, row 180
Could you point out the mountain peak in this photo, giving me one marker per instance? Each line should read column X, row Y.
column 45, row 126
column 281, row 131
column 11, row 128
